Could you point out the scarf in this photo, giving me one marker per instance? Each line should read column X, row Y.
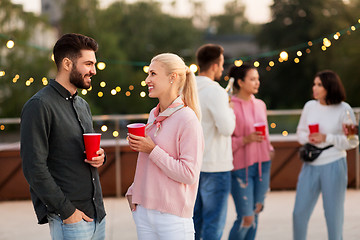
column 176, row 105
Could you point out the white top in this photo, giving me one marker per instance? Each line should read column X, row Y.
column 330, row 120
column 218, row 123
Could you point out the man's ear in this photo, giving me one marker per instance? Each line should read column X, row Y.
column 214, row 67
column 67, row 64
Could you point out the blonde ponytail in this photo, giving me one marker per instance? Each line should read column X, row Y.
column 190, row 93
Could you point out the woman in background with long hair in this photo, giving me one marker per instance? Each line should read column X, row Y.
column 327, row 174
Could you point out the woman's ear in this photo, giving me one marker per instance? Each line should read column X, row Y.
column 173, row 77
column 239, row 82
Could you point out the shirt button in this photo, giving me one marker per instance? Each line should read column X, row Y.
column 93, row 199
column 93, row 179
column 67, row 98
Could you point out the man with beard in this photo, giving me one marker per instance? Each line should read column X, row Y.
column 218, row 123
column 64, row 185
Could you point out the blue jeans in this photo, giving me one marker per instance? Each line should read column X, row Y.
column 246, row 196
column 211, row 205
column 76, row 231
column 330, row 180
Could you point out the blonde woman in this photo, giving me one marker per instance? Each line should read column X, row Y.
column 163, row 193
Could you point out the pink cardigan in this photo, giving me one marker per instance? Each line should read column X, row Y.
column 247, row 113
column 167, row 179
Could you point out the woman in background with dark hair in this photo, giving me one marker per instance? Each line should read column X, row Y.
column 250, row 177
column 327, row 174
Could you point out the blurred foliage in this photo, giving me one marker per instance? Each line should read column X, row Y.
column 232, row 21
column 127, row 33
column 288, row 85
column 22, row 59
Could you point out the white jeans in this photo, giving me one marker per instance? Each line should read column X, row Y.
column 155, row 225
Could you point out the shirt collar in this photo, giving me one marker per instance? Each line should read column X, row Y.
column 62, row 91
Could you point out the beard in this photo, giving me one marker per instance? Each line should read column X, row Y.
column 78, row 80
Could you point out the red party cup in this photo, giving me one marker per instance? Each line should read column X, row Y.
column 260, row 127
column 137, row 129
column 92, row 144
column 314, row 128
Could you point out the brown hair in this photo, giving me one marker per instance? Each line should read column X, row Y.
column 207, row 55
column 239, row 73
column 70, row 46
column 333, row 86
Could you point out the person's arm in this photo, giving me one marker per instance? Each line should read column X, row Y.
column 222, row 114
column 35, row 131
column 340, row 140
column 302, row 128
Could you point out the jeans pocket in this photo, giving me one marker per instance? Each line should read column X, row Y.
column 79, row 230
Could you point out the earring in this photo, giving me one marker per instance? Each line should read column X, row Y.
column 171, row 82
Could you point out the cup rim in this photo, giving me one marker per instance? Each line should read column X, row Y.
column 135, row 125
column 92, row 134
column 259, row 124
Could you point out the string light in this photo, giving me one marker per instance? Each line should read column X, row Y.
column 115, row 134
column 83, row 92
column 326, row 42
column 44, row 81
column 285, row 133
column 273, row 125
column 194, row 68
column 101, row 65
column 10, row 44
column 2, row 127
column 104, row 128
column 284, row 55
column 238, row 63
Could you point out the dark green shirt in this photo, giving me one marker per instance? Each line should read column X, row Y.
column 52, row 152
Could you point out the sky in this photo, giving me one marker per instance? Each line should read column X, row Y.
column 257, row 11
